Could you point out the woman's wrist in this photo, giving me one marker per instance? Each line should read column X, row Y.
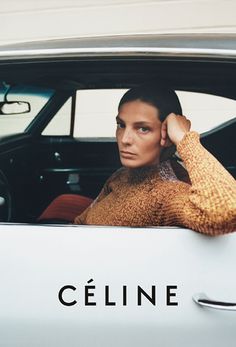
column 180, row 137
column 188, row 144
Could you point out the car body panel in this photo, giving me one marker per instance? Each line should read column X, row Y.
column 31, row 313
column 208, row 45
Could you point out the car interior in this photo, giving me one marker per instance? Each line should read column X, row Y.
column 36, row 168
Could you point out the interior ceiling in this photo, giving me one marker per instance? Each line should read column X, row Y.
column 216, row 78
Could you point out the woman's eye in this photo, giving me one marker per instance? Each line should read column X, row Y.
column 143, row 130
column 120, row 126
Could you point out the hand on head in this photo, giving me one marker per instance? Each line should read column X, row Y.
column 173, row 129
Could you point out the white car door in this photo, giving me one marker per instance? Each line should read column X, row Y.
column 106, row 286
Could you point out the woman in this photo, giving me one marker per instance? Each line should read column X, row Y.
column 150, row 189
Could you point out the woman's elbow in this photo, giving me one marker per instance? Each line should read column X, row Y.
column 218, row 224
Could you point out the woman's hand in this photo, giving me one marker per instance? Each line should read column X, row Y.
column 173, row 129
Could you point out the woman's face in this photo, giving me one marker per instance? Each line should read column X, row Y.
column 138, row 134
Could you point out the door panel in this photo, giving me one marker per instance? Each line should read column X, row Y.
column 114, row 257
column 67, row 165
column 16, row 166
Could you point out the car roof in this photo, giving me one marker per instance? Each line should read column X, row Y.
column 205, row 45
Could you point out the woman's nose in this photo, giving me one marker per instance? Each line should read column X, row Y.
column 127, row 137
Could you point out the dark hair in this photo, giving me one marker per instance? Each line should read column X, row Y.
column 164, row 99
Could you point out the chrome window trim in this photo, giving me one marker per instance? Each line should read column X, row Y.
column 33, row 54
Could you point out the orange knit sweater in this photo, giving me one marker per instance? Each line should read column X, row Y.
column 155, row 196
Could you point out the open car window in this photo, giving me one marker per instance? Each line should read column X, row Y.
column 96, row 110
column 206, row 111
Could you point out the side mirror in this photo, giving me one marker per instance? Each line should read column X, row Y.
column 14, row 107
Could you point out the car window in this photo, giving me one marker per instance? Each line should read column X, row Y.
column 19, row 106
column 96, row 111
column 206, row 111
column 60, row 123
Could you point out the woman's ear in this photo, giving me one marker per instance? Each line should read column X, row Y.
column 165, row 140
column 166, row 143
column 167, row 147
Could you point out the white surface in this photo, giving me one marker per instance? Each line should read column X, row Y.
column 97, row 118
column 36, row 261
column 31, row 19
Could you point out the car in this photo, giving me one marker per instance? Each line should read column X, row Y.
column 78, row 285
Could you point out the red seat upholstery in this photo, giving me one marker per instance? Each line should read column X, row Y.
column 65, row 207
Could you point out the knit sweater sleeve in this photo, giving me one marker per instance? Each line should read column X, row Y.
column 208, row 204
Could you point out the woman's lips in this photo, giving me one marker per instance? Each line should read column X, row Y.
column 126, row 154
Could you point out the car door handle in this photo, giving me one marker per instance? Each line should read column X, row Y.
column 203, row 300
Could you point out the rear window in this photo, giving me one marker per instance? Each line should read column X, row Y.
column 96, row 111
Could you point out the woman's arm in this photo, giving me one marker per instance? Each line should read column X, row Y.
column 208, row 205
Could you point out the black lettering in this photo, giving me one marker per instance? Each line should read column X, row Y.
column 60, row 297
column 152, row 298
column 169, row 294
column 88, row 294
column 107, row 302
column 124, row 295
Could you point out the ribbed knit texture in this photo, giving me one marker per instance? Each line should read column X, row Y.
column 143, row 197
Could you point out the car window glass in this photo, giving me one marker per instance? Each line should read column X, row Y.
column 15, row 117
column 206, row 111
column 96, row 110
column 60, row 123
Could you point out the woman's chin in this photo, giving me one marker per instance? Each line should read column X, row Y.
column 135, row 164
column 130, row 164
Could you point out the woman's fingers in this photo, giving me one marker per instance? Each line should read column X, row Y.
column 177, row 127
